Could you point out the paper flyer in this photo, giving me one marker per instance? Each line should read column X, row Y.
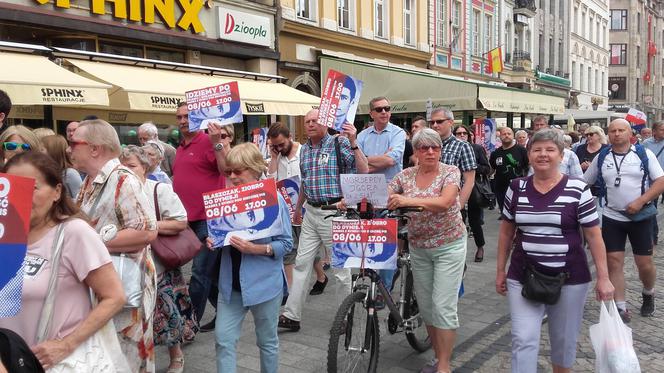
column 259, row 137
column 373, row 187
column 15, row 210
column 290, row 190
column 374, row 240
column 339, row 100
column 220, row 104
column 249, row 211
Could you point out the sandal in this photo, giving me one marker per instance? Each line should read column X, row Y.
column 479, row 258
column 179, row 361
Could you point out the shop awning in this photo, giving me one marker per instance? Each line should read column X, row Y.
column 408, row 91
column 155, row 90
column 34, row 80
column 518, row 101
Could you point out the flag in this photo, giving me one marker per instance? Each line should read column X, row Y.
column 636, row 117
column 495, row 58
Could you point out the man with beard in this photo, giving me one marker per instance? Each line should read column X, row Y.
column 509, row 162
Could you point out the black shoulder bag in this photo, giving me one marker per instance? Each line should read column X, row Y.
column 542, row 288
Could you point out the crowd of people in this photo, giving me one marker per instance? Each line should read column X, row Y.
column 98, row 206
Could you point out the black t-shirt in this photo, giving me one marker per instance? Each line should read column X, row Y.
column 407, row 153
column 584, row 155
column 509, row 164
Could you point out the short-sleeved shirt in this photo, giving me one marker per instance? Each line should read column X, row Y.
column 657, row 147
column 548, row 227
column 319, row 170
column 509, row 164
column 631, row 177
column 82, row 252
column 458, row 153
column 195, row 172
column 427, row 229
column 391, row 142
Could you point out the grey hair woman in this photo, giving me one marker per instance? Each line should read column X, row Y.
column 155, row 153
column 543, row 220
column 438, row 241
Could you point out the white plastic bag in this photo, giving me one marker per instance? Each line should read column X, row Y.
column 612, row 342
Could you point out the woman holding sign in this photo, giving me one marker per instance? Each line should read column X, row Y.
column 251, row 275
column 437, row 238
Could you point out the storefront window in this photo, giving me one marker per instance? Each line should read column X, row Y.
column 165, row 55
column 128, row 50
column 87, row 45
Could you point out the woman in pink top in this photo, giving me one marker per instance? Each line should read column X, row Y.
column 85, row 264
column 437, row 238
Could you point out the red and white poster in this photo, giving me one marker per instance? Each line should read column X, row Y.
column 15, row 209
column 219, row 104
column 249, row 211
column 364, row 243
column 290, row 190
column 339, row 100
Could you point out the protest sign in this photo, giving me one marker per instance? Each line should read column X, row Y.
column 373, row 187
column 339, row 101
column 249, row 211
column 259, row 137
column 485, row 131
column 15, row 210
column 290, row 190
column 219, row 104
column 373, row 240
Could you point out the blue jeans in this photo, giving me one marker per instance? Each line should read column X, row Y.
column 201, row 286
column 229, row 329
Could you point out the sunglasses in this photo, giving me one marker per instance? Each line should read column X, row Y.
column 437, row 121
column 426, row 148
column 382, row 109
column 464, row 133
column 235, row 171
column 590, row 134
column 15, row 145
column 224, row 136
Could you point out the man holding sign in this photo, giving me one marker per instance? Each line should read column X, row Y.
column 323, row 159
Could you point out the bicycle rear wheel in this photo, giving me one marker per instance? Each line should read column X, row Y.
column 418, row 338
column 345, row 350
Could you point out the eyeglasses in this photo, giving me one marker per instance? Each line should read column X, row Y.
column 426, row 148
column 464, row 133
column 236, row 171
column 438, row 121
column 224, row 136
column 382, row 109
column 73, row 143
column 11, row 145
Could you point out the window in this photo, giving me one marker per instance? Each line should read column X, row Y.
column 552, row 7
column 576, row 20
column 488, row 42
column 129, row 50
column 582, row 78
column 618, row 54
column 380, row 20
column 575, row 81
column 476, row 32
column 638, row 88
column 638, row 22
column 583, row 24
column 601, row 90
column 409, row 22
column 598, row 82
column 456, row 15
column 618, row 87
column 638, row 56
column 591, row 80
column 591, row 24
column 307, row 9
column 598, row 37
column 164, row 55
column 456, row 27
column 346, row 14
column 618, row 19
column 603, row 42
column 441, row 22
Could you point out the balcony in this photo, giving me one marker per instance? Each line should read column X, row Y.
column 525, row 7
column 522, row 61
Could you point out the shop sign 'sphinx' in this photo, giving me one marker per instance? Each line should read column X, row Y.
column 145, row 10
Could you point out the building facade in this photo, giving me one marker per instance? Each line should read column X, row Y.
column 636, row 61
column 516, row 28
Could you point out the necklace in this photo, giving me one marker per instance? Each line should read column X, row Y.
column 547, row 187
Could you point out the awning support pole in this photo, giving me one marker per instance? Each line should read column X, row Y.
column 523, row 120
column 510, row 120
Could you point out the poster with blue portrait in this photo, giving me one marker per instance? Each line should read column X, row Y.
column 249, row 211
column 485, row 130
column 339, row 101
column 219, row 104
column 364, row 243
column 15, row 210
column 290, row 190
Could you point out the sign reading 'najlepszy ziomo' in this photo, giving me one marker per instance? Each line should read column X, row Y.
column 244, row 27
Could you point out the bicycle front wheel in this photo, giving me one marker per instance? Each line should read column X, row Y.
column 418, row 338
column 347, row 350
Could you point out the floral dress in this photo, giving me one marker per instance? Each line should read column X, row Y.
column 123, row 203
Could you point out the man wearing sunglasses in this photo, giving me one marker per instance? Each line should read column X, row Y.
column 200, row 162
column 5, row 108
column 455, row 152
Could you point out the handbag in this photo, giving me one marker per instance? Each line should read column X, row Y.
column 542, row 288
column 613, row 344
column 176, row 250
column 131, row 274
column 647, row 211
column 481, row 195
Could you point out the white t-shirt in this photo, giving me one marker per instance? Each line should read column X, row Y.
column 630, row 180
column 286, row 167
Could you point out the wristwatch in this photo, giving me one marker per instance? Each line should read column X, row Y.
column 218, row 147
column 354, row 147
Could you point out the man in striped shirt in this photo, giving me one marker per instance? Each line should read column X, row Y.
column 322, row 159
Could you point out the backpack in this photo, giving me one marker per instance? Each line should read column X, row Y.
column 600, row 184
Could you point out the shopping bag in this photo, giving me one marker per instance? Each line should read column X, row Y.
column 612, row 342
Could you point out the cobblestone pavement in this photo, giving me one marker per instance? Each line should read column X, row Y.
column 483, row 340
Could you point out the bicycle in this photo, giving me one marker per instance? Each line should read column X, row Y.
column 358, row 350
